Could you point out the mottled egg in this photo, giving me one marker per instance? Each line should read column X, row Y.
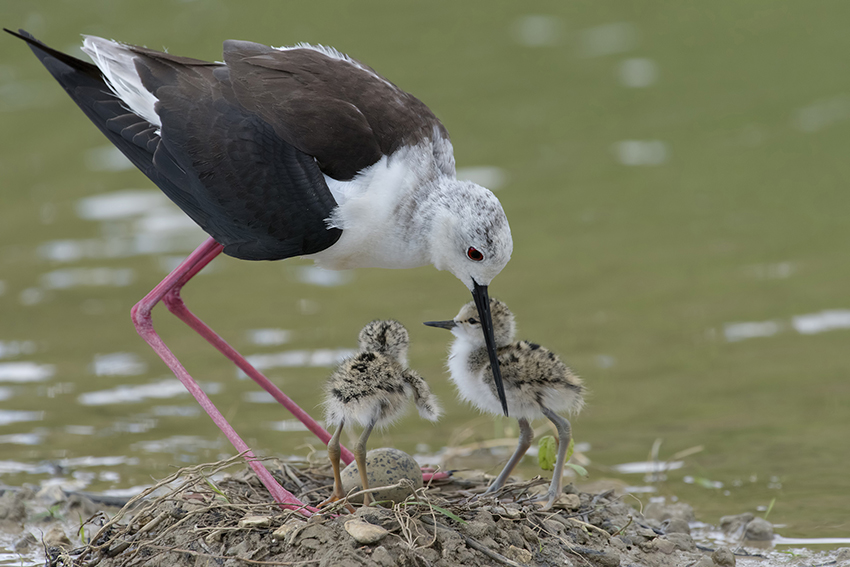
column 384, row 467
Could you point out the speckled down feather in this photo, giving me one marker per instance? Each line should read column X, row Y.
column 373, row 386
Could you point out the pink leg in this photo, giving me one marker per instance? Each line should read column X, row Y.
column 141, row 315
column 176, row 305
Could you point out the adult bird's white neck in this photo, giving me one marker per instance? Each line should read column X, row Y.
column 409, row 210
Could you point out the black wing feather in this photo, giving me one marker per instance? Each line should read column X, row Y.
column 224, row 166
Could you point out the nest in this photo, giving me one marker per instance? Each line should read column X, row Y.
column 199, row 516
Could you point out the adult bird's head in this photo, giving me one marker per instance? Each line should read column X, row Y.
column 473, row 241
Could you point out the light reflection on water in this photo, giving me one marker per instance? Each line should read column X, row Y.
column 21, row 438
column 323, row 357
column 808, row 324
column 25, row 371
column 16, row 348
column 118, row 364
column 130, row 394
column 625, row 145
column 269, row 337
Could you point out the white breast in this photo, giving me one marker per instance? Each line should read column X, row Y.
column 374, row 233
column 471, row 386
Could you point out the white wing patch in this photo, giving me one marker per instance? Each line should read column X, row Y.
column 334, row 54
column 117, row 63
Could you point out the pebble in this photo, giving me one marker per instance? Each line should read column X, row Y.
column 660, row 511
column 365, row 533
column 283, row 531
column 733, row 525
column 723, row 557
column 676, row 526
column 569, row 501
column 663, row 545
column 510, row 512
column 759, row 529
column 25, row 542
column 529, row 534
column 609, row 558
column 645, row 533
column 681, row 541
column 51, row 494
column 382, row 557
column 255, row 522
column 704, row 561
column 55, row 537
column 519, row 554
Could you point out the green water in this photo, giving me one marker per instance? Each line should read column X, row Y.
column 727, row 203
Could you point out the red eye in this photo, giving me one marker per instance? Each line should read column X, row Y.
column 474, row 254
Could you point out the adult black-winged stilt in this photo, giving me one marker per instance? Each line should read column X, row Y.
column 286, row 152
column 371, row 389
column 537, row 383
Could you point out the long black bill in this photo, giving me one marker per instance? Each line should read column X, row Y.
column 482, row 302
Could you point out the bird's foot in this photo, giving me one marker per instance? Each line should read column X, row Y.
column 547, row 498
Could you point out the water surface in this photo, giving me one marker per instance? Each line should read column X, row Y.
column 676, row 180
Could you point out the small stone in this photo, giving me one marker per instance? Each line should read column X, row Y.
column 553, row 527
column 429, row 554
column 676, row 526
column 568, row 501
column 51, row 494
column 704, row 561
column 382, row 557
column 529, row 534
column 519, row 554
column 476, row 529
column 734, row 525
column 510, row 512
column 55, row 537
column 759, row 529
column 645, row 533
column 365, row 533
column 665, row 546
column 660, row 511
column 241, row 549
column 255, row 522
column 609, row 558
column 13, row 507
column 723, row 557
column 283, row 531
column 681, row 541
column 25, row 542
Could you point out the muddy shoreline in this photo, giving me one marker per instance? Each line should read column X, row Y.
column 219, row 514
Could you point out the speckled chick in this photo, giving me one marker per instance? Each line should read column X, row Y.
column 372, row 389
column 537, row 383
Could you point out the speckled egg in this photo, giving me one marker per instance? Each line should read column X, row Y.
column 384, row 467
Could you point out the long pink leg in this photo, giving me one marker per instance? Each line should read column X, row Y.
column 176, row 305
column 141, row 315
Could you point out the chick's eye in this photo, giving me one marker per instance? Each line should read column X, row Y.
column 473, row 321
column 474, row 255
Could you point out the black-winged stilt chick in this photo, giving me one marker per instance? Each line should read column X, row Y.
column 537, row 383
column 372, row 389
column 282, row 152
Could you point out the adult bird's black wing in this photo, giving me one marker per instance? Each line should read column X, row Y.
column 222, row 164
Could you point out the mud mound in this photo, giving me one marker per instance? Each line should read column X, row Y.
column 200, row 517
